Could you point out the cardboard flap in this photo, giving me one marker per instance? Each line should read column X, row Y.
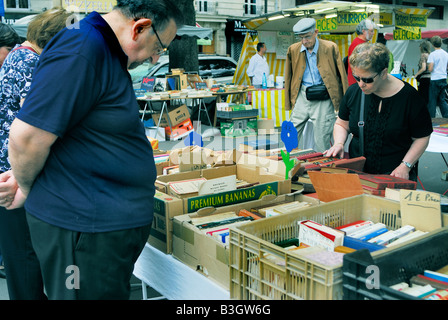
column 269, row 197
column 335, row 186
column 203, row 212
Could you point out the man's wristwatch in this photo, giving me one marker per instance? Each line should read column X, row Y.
column 407, row 164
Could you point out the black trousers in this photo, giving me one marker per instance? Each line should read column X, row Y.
column 86, row 266
column 23, row 274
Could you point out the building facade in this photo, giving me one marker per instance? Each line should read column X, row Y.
column 223, row 16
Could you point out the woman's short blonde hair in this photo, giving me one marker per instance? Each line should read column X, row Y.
column 370, row 56
column 46, row 25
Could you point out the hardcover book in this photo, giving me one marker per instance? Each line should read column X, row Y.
column 383, row 181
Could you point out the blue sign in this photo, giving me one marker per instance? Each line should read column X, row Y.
column 2, row 8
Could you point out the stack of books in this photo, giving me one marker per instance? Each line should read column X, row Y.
column 375, row 236
column 431, row 285
column 376, row 184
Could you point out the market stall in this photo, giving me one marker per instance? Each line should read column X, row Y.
column 336, row 21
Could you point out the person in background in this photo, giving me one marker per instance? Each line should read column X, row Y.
column 79, row 152
column 311, row 62
column 391, row 56
column 258, row 66
column 437, row 65
column 423, row 75
column 23, row 272
column 365, row 31
column 397, row 125
column 8, row 39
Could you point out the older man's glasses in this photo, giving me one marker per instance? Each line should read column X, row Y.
column 303, row 37
column 164, row 49
column 365, row 80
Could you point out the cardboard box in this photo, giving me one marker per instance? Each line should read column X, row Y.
column 165, row 208
column 206, row 254
column 267, row 173
column 176, row 116
column 239, row 127
column 247, row 167
column 180, row 130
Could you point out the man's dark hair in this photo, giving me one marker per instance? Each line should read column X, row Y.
column 436, row 41
column 8, row 36
column 159, row 11
column 259, row 46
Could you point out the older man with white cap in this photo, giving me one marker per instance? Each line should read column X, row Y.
column 365, row 31
column 315, row 81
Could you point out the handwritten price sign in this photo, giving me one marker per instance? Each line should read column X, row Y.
column 420, row 209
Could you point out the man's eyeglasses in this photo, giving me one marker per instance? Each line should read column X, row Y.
column 365, row 80
column 164, row 49
column 307, row 37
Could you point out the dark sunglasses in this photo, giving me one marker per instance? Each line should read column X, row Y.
column 365, row 80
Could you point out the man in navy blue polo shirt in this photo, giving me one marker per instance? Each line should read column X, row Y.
column 80, row 155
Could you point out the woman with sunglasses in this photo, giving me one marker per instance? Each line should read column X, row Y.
column 396, row 121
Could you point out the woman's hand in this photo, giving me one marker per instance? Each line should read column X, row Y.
column 402, row 171
column 337, row 150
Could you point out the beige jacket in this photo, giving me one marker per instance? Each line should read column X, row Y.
column 330, row 67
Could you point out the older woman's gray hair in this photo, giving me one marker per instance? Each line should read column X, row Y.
column 365, row 24
column 370, row 56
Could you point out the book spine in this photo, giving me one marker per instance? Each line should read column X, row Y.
column 375, row 233
column 358, row 244
column 436, row 275
column 356, row 227
column 246, row 213
column 368, row 230
column 392, row 235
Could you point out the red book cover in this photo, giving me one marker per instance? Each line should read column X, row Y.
column 350, row 224
column 383, row 181
column 308, row 156
column 373, row 191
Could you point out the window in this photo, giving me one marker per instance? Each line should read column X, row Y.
column 202, row 6
column 250, row 7
column 301, row 2
column 437, row 13
column 409, row 4
column 18, row 4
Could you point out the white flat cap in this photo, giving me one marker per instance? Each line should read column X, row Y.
column 304, row 25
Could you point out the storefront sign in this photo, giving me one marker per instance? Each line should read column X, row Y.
column 351, row 18
column 327, row 24
column 89, row 5
column 383, row 18
column 410, row 20
column 402, row 34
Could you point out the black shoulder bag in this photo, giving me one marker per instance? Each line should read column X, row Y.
column 316, row 91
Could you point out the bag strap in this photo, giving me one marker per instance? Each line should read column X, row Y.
column 24, row 47
column 309, row 66
column 361, row 124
